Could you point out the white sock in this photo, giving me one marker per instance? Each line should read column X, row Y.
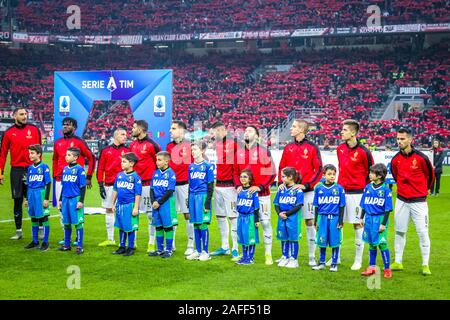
column 359, row 244
column 425, row 246
column 151, row 229
column 399, row 245
column 109, row 219
column 267, row 233
column 190, row 234
column 174, row 232
column 224, row 231
column 234, row 237
column 311, row 235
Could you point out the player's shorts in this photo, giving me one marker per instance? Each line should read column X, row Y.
column 328, row 233
column 181, row 196
column 308, row 208
column 371, row 234
column 225, row 202
column 57, row 189
column 162, row 217
column 352, row 211
column 197, row 213
column 247, row 232
column 418, row 211
column 145, row 205
column 124, row 217
column 70, row 213
column 289, row 229
column 107, row 203
column 35, row 198
column 265, row 208
column 17, row 178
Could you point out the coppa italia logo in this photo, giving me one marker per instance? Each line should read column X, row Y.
column 5, row 35
column 111, row 85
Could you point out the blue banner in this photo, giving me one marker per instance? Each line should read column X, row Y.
column 149, row 93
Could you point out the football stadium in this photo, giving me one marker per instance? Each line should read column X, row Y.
column 224, row 150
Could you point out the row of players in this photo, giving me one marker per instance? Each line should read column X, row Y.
column 411, row 170
column 329, row 204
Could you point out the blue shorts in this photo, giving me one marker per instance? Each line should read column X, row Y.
column 289, row 229
column 124, row 217
column 35, row 198
column 197, row 213
column 162, row 217
column 70, row 213
column 247, row 232
column 371, row 234
column 328, row 233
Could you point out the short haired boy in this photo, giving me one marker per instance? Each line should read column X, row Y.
column 376, row 204
column 37, row 196
column 71, row 200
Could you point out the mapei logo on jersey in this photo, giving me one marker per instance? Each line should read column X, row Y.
column 287, row 200
column 125, row 185
column 245, row 202
column 36, row 177
column 328, row 200
column 159, row 106
column 111, row 85
column 198, row 175
column 160, row 183
column 69, row 178
column 374, row 201
column 64, row 105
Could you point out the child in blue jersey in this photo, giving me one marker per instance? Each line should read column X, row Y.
column 288, row 203
column 376, row 204
column 161, row 190
column 37, row 195
column 201, row 185
column 127, row 191
column 73, row 186
column 247, row 206
column 329, row 204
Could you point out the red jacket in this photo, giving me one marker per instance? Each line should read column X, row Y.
column 17, row 139
column 180, row 159
column 110, row 163
column 305, row 157
column 59, row 155
column 226, row 151
column 413, row 174
column 354, row 164
column 146, row 150
column 259, row 160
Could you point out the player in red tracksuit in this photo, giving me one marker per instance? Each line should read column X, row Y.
column 180, row 159
column 414, row 175
column 70, row 140
column 225, row 195
column 109, row 166
column 354, row 163
column 16, row 140
column 304, row 156
column 146, row 150
column 259, row 161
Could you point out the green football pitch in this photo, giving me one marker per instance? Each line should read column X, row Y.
column 50, row 275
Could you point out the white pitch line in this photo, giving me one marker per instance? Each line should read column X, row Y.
column 3, row 221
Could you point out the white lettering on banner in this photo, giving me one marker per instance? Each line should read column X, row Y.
column 245, row 202
column 38, row 178
column 69, row 178
column 374, row 201
column 160, row 183
column 198, row 175
column 93, row 84
column 327, row 200
column 125, row 185
column 287, row 200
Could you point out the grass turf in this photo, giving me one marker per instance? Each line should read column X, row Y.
column 44, row 275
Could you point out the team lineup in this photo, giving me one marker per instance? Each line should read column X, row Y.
column 142, row 179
